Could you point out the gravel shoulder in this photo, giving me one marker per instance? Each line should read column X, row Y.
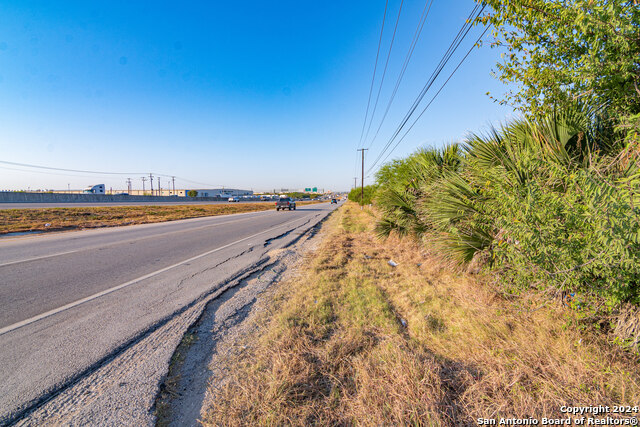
column 205, row 357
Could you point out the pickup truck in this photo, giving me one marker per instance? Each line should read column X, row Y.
column 285, row 203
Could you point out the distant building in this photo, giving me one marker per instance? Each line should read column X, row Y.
column 94, row 189
column 217, row 192
column 211, row 192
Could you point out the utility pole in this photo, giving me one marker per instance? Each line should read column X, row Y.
column 128, row 185
column 355, row 182
column 144, row 178
column 151, row 179
column 362, row 179
column 173, row 180
column 159, row 189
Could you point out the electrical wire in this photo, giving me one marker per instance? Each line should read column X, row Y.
column 96, row 172
column 393, row 37
column 69, row 170
column 190, row 181
column 443, row 61
column 43, row 172
column 436, row 94
column 462, row 33
column 375, row 67
column 412, row 46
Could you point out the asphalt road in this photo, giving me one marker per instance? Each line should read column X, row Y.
column 69, row 301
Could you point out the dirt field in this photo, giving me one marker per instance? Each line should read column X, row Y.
column 57, row 219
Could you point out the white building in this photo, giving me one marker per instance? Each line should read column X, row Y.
column 216, row 192
column 94, row 189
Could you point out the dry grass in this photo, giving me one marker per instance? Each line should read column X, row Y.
column 353, row 340
column 20, row 220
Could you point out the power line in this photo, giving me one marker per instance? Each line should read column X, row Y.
column 434, row 96
column 393, row 37
column 466, row 27
column 412, row 46
column 190, row 181
column 462, row 33
column 46, row 173
column 375, row 67
column 97, row 172
column 68, row 170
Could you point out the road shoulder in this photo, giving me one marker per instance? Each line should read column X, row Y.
column 203, row 361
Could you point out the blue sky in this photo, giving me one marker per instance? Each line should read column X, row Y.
column 246, row 94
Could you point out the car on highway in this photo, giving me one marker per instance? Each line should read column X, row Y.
column 234, row 199
column 285, row 203
column 334, row 201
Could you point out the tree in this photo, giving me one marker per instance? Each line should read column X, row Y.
column 355, row 194
column 192, row 193
column 558, row 51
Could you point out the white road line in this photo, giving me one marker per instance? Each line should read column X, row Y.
column 39, row 257
column 33, row 319
column 120, row 242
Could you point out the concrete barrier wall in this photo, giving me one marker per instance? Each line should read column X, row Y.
column 15, row 197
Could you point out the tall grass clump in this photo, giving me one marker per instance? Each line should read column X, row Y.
column 549, row 204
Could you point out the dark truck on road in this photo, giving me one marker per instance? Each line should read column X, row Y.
column 285, row 203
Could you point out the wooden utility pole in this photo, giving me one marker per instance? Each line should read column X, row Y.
column 362, row 178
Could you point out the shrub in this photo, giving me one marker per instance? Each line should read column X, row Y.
column 355, row 194
column 403, row 183
column 550, row 204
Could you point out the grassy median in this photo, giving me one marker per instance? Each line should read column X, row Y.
column 57, row 219
column 353, row 340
